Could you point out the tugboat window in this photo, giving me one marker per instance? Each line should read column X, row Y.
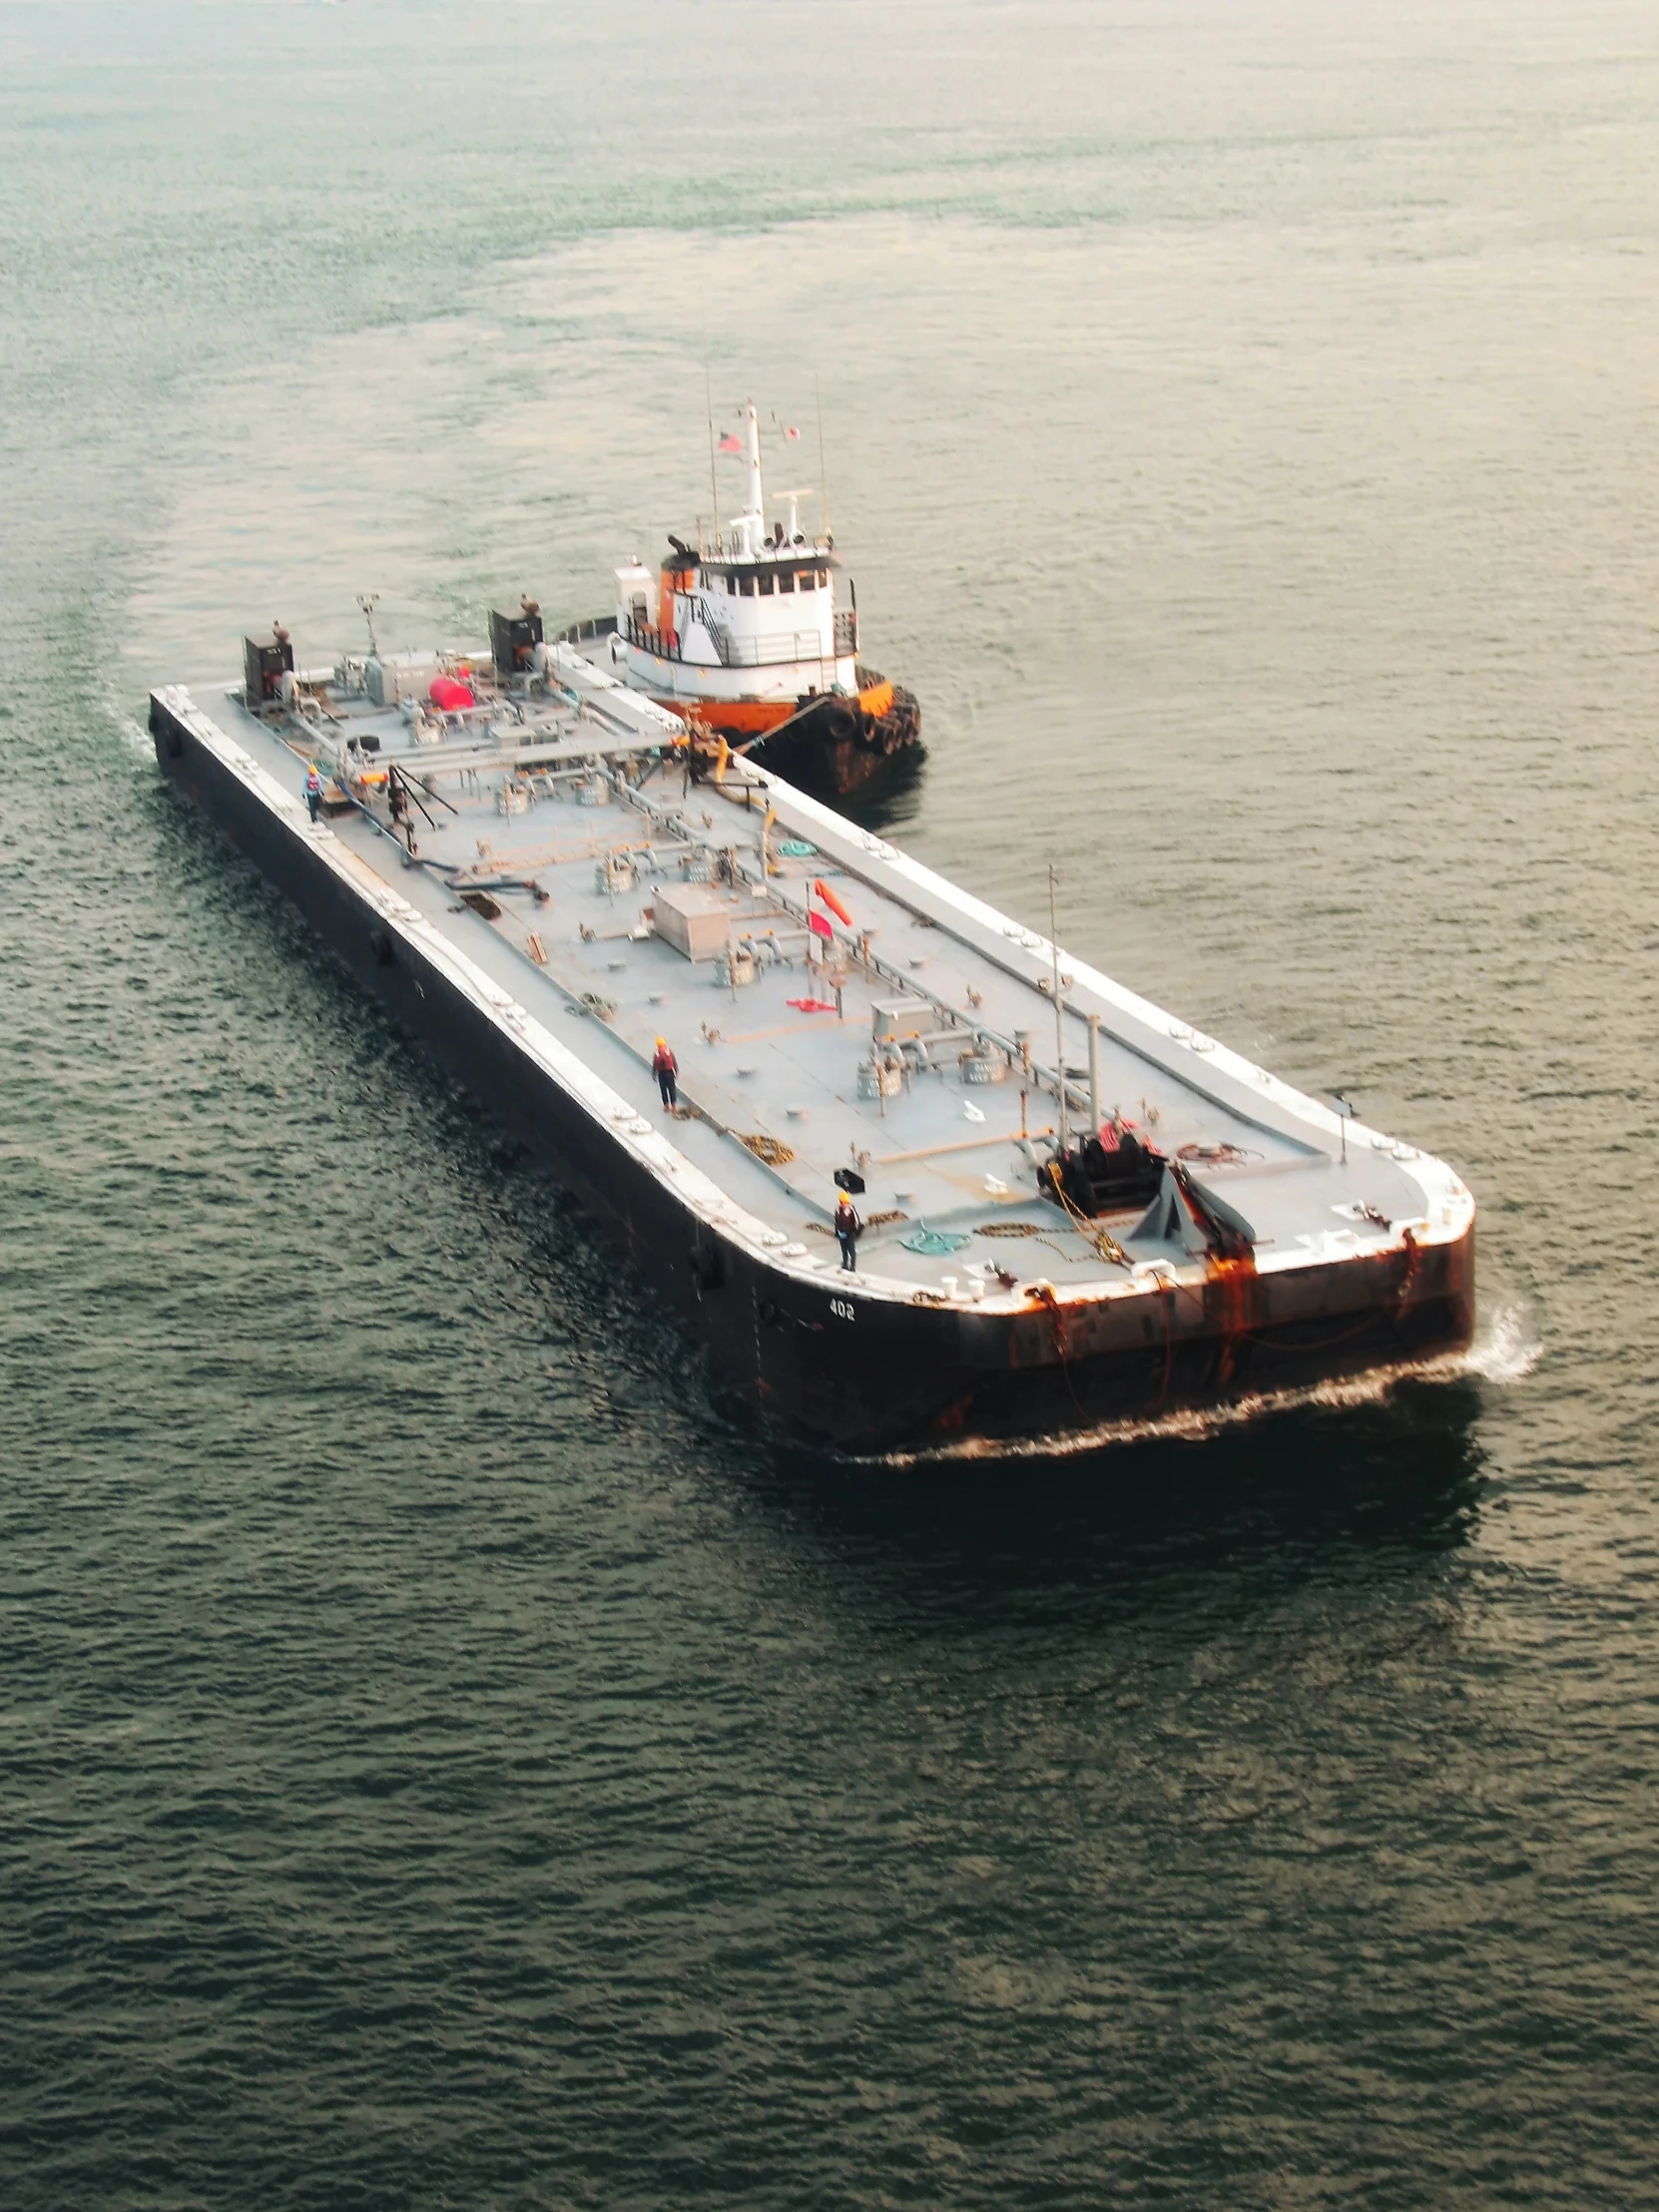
column 807, row 579
column 731, row 587
column 785, row 582
column 746, row 584
column 766, row 587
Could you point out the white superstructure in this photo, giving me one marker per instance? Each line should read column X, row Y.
column 748, row 614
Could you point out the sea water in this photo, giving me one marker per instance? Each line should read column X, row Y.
column 447, row 1758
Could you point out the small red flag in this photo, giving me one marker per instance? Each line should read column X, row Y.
column 819, row 927
column 730, row 443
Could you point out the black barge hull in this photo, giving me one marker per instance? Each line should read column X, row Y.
column 861, row 1374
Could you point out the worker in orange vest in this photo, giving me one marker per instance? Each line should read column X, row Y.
column 666, row 1068
column 847, row 1226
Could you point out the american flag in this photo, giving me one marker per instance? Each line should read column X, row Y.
column 730, row 442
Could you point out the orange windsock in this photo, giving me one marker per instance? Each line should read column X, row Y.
column 821, row 889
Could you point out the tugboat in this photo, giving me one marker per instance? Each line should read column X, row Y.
column 742, row 639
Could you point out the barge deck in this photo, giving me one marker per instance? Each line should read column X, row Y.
column 840, row 1016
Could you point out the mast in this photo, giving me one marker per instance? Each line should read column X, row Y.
column 1059, row 1019
column 709, row 394
column 823, row 471
column 757, row 491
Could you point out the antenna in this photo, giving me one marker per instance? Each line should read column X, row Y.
column 1059, row 1018
column 1346, row 1110
column 709, row 396
column 795, row 495
column 368, row 601
column 823, row 473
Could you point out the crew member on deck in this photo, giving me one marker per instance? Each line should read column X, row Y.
column 847, row 1226
column 666, row 1068
column 313, row 791
column 398, row 801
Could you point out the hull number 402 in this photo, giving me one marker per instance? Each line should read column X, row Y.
column 841, row 1308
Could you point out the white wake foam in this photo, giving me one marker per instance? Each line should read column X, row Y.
column 134, row 735
column 1507, row 1348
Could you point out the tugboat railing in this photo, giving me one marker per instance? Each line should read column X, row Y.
column 771, row 649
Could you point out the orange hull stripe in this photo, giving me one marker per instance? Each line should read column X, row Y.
column 747, row 717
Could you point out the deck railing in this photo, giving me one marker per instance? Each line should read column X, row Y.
column 771, row 648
